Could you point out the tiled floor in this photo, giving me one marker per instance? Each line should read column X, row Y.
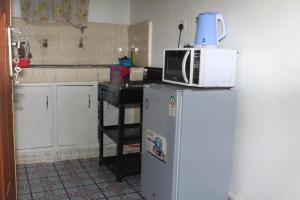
column 75, row 180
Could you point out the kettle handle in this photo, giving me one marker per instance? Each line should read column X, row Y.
column 220, row 18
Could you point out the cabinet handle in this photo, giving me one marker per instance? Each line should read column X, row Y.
column 89, row 101
column 47, row 102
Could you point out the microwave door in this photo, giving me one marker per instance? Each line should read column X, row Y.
column 177, row 66
column 183, row 67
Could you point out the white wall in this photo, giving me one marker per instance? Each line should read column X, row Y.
column 266, row 163
column 109, row 11
column 101, row 11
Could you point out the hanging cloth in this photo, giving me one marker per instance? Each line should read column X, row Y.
column 55, row 11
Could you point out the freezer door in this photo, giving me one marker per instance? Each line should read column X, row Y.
column 160, row 123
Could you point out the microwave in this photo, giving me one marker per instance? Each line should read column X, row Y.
column 200, row 67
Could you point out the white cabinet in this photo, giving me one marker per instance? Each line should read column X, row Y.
column 56, row 121
column 77, row 115
column 33, row 116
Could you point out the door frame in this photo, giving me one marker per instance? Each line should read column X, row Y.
column 7, row 143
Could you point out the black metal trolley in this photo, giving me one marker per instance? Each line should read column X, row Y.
column 121, row 95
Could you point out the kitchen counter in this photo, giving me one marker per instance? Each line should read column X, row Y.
column 70, row 73
column 69, row 66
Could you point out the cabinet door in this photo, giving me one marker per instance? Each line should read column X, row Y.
column 77, row 115
column 33, row 116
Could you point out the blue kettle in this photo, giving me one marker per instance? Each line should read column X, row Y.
column 207, row 29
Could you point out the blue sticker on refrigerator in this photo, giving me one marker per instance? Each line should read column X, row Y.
column 156, row 145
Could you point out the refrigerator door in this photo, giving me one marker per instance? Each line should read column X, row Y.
column 161, row 121
column 206, row 143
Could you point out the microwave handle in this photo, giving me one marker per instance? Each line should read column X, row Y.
column 183, row 66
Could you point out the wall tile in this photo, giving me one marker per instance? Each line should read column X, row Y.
column 44, row 75
column 65, row 74
column 144, row 31
column 37, row 60
column 93, row 30
column 69, row 31
column 26, row 75
column 53, row 155
column 138, row 36
column 33, row 75
column 104, row 31
column 35, row 157
column 51, row 54
column 120, row 48
column 70, row 50
column 105, row 52
column 120, row 32
column 36, row 50
column 63, row 42
column 101, row 46
column 103, row 75
column 88, row 54
column 87, row 74
column 24, row 28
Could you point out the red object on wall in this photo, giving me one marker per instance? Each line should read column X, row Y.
column 22, row 62
column 119, row 73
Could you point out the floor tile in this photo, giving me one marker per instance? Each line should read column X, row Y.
column 24, row 197
column 20, row 166
column 116, row 198
column 85, row 180
column 134, row 196
column 68, row 181
column 38, row 188
column 76, row 193
column 23, row 191
column 100, row 180
column 41, row 196
column 137, row 188
column 22, row 176
column 123, row 187
column 80, row 179
column 93, row 192
column 54, row 183
column 59, row 194
column 50, row 173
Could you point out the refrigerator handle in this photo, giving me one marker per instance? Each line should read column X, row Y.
column 183, row 66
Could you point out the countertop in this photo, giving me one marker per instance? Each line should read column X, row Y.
column 71, row 73
column 69, row 66
column 76, row 66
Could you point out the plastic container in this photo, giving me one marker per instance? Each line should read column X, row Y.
column 125, row 61
column 119, row 73
column 22, row 62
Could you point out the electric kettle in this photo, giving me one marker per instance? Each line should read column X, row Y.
column 207, row 33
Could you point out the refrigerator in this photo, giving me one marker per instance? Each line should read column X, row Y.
column 187, row 142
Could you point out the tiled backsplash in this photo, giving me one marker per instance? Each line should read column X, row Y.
column 102, row 43
column 138, row 38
